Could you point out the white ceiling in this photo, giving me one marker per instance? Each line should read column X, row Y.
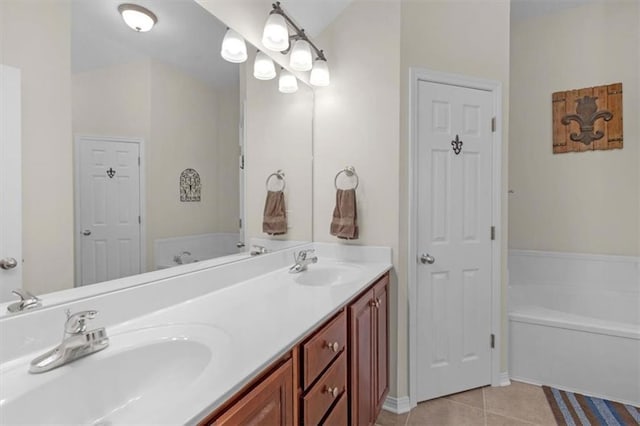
column 186, row 36
column 314, row 15
column 524, row 9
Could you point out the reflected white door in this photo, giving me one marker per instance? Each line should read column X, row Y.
column 10, row 183
column 109, row 209
column 454, row 239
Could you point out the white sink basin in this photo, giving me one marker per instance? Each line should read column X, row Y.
column 330, row 274
column 141, row 373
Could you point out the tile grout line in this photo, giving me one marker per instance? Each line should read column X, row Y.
column 460, row 403
column 484, row 407
column 511, row 417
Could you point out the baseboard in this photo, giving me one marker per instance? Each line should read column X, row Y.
column 504, row 379
column 397, row 405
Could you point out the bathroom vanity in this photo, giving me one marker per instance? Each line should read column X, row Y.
column 225, row 344
column 338, row 375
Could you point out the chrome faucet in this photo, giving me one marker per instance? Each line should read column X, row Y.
column 27, row 301
column 303, row 259
column 178, row 257
column 257, row 250
column 76, row 343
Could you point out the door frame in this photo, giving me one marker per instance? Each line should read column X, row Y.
column 79, row 139
column 495, row 88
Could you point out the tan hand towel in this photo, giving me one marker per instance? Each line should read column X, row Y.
column 345, row 215
column 275, row 214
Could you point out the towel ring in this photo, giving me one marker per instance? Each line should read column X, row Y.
column 350, row 171
column 278, row 174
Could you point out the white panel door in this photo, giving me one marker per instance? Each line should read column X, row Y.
column 454, row 239
column 109, row 206
column 10, row 183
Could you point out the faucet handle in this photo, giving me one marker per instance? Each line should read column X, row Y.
column 77, row 323
column 24, row 295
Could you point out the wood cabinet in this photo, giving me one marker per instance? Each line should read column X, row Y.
column 369, row 353
column 337, row 375
column 267, row 403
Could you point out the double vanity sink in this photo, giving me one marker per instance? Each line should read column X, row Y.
column 175, row 365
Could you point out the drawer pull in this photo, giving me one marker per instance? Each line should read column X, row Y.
column 375, row 302
column 333, row 346
column 333, row 391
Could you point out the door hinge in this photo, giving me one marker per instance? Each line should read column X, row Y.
column 138, row 161
column 242, row 162
column 240, row 223
column 493, row 124
column 493, row 233
column 139, row 220
column 493, row 341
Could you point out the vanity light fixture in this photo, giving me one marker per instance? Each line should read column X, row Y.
column 276, row 37
column 300, row 58
column 263, row 68
column 234, row 48
column 138, row 18
column 276, row 34
column 320, row 73
column 288, row 82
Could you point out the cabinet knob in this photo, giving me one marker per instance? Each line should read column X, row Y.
column 333, row 391
column 333, row 346
column 372, row 303
column 378, row 302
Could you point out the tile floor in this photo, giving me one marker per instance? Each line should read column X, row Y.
column 517, row 404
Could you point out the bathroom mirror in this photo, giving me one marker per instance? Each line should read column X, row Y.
column 97, row 96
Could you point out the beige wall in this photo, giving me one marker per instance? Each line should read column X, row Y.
column 357, row 123
column 34, row 36
column 278, row 136
column 575, row 202
column 185, row 124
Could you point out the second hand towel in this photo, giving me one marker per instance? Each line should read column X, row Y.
column 345, row 215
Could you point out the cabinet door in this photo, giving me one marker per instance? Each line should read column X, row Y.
column 361, row 357
column 381, row 343
column 270, row 403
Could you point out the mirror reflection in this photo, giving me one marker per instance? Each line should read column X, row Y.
column 146, row 150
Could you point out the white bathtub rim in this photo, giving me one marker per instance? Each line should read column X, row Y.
column 577, row 256
column 557, row 319
column 570, row 389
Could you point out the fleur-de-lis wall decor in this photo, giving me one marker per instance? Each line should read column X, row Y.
column 587, row 119
column 586, row 115
column 111, row 173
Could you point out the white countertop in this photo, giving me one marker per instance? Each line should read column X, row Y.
column 256, row 321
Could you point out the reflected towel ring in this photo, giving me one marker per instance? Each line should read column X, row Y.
column 278, row 174
column 350, row 171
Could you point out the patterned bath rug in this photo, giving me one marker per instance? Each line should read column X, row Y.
column 573, row 409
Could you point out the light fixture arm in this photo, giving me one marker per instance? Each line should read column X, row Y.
column 299, row 32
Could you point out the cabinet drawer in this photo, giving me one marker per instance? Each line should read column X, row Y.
column 321, row 396
column 321, row 349
column 339, row 415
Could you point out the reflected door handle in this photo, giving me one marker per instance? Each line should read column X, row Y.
column 427, row 258
column 86, row 232
column 239, row 244
column 8, row 263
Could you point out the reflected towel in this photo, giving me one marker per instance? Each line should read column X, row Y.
column 275, row 214
column 345, row 215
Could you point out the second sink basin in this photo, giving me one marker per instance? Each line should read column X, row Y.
column 122, row 384
column 331, row 274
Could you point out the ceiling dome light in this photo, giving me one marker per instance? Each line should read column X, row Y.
column 263, row 68
column 137, row 17
column 301, row 59
column 320, row 73
column 276, row 34
column 234, row 49
column 288, row 82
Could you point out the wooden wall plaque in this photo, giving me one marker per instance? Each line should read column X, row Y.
column 587, row 119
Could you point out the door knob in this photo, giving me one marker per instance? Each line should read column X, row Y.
column 8, row 263
column 86, row 232
column 427, row 258
column 240, row 244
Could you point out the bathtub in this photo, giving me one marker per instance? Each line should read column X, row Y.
column 574, row 322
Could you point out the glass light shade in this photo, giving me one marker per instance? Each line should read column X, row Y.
column 276, row 34
column 137, row 17
column 234, row 49
column 301, row 59
column 288, row 82
column 263, row 68
column 320, row 73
